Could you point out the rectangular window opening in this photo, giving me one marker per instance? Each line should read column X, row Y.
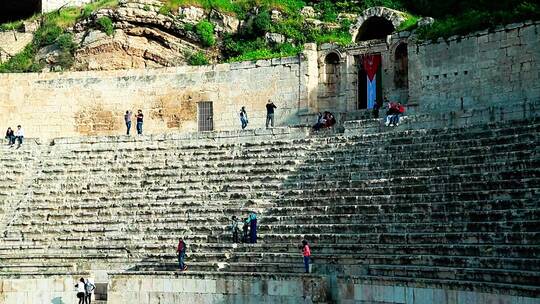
column 205, row 116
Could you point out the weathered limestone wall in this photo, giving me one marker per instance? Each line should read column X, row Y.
column 149, row 288
column 485, row 69
column 93, row 103
column 51, row 5
column 354, row 290
column 52, row 289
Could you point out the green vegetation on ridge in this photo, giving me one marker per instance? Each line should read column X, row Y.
column 453, row 17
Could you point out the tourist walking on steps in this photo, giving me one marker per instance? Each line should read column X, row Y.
column 10, row 136
column 306, row 252
column 127, row 119
column 270, row 106
column 81, row 291
column 19, row 135
column 89, row 288
column 181, row 252
column 252, row 221
column 234, row 229
column 140, row 117
column 243, row 118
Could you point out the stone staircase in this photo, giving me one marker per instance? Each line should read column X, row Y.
column 447, row 205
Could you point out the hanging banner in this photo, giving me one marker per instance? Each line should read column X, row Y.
column 371, row 65
column 371, row 92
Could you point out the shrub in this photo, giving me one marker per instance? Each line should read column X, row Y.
column 106, row 25
column 164, row 10
column 47, row 34
column 198, row 58
column 262, row 23
column 22, row 62
column 328, row 10
column 66, row 44
column 205, row 31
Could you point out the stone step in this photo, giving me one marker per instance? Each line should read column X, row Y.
column 520, row 277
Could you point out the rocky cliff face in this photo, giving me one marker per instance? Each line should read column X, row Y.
column 142, row 38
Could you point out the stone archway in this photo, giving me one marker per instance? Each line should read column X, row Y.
column 376, row 23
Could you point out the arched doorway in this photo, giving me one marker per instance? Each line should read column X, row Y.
column 14, row 10
column 375, row 28
column 331, row 73
column 401, row 67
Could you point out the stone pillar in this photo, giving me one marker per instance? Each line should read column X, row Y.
column 311, row 79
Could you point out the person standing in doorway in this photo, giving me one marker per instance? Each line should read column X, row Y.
column 306, row 252
column 181, row 252
column 127, row 119
column 243, row 117
column 270, row 106
column 140, row 118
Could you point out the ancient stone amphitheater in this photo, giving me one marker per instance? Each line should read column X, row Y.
column 403, row 215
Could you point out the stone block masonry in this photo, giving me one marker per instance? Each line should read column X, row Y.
column 162, row 287
column 93, row 103
column 498, row 68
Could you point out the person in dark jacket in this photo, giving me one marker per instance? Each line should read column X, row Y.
column 140, row 119
column 252, row 221
column 243, row 117
column 10, row 136
column 270, row 106
column 245, row 230
column 234, row 229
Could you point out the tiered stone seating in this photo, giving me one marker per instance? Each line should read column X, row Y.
column 439, row 205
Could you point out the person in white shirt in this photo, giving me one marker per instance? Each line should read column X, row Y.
column 81, row 291
column 19, row 135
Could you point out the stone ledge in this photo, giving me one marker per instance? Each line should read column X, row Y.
column 210, row 274
column 294, row 132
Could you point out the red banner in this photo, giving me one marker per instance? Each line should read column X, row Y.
column 371, row 65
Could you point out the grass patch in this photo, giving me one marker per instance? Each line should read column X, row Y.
column 409, row 24
column 198, row 58
column 11, row 26
column 267, row 52
column 105, row 24
column 234, row 7
column 474, row 20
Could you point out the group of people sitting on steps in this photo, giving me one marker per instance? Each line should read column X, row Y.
column 324, row 120
column 85, row 289
column 393, row 111
column 13, row 136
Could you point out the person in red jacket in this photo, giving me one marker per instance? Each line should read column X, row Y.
column 181, row 251
column 306, row 252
